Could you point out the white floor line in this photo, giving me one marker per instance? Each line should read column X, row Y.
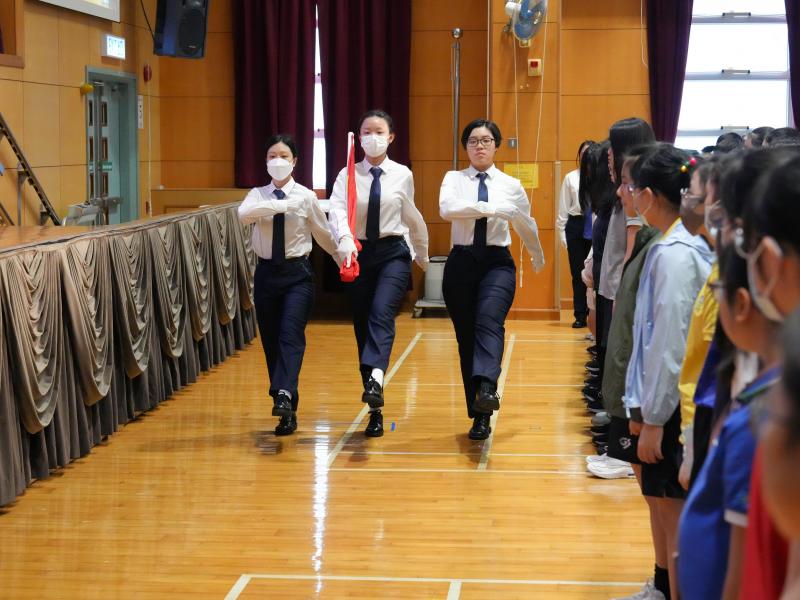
column 501, row 386
column 238, row 587
column 454, row 593
column 544, row 385
column 523, row 454
column 531, row 340
column 354, row 425
column 490, row 471
column 282, row 576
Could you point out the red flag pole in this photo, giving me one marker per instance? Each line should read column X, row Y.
column 349, row 274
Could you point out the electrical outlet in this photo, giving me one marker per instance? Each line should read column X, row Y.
column 512, row 143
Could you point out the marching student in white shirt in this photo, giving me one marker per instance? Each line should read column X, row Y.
column 480, row 275
column 285, row 215
column 574, row 225
column 385, row 213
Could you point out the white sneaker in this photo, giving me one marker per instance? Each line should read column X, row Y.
column 648, row 592
column 611, row 468
column 596, row 458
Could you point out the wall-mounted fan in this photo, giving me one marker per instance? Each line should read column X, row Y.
column 526, row 18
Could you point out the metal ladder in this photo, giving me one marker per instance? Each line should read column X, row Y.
column 25, row 173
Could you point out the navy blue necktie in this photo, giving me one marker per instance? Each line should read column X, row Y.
column 278, row 232
column 374, row 208
column 479, row 239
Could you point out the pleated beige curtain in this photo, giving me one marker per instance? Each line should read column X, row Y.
column 98, row 327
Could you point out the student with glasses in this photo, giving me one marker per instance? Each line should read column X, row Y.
column 480, row 275
column 675, row 269
column 385, row 213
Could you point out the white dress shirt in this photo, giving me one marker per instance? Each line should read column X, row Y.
column 568, row 203
column 304, row 218
column 399, row 215
column 458, row 203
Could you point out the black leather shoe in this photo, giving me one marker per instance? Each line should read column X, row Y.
column 282, row 406
column 593, row 366
column 486, row 400
column 579, row 324
column 480, row 428
column 373, row 394
column 590, row 391
column 592, row 350
column 375, row 426
column 600, row 430
column 287, row 425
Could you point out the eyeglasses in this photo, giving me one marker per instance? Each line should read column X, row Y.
column 485, row 142
column 629, row 187
column 691, row 201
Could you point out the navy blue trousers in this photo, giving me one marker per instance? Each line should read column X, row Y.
column 376, row 296
column 478, row 288
column 284, row 295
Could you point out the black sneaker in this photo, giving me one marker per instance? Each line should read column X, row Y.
column 375, row 426
column 596, row 406
column 592, row 350
column 579, row 324
column 373, row 394
column 593, row 366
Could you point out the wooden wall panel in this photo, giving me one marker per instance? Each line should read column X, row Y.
column 603, row 61
column 609, row 14
column 589, row 117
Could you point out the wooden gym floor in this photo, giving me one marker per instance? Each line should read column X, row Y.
column 199, row 499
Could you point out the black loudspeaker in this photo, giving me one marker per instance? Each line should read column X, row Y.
column 181, row 28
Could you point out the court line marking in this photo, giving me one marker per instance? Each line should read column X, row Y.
column 531, row 340
column 365, row 409
column 238, row 587
column 523, row 454
column 454, row 593
column 493, row 471
column 501, row 385
column 531, row 385
column 246, row 578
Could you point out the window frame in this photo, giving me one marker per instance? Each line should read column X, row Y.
column 728, row 18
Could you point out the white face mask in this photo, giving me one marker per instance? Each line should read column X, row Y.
column 761, row 298
column 279, row 168
column 374, row 145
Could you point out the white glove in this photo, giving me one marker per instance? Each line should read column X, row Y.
column 563, row 237
column 506, row 211
column 422, row 261
column 537, row 268
column 346, row 249
column 294, row 205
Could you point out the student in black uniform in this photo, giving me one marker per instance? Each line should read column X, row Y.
column 285, row 215
column 385, row 214
column 480, row 275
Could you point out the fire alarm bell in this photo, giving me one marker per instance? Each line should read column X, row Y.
column 534, row 67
